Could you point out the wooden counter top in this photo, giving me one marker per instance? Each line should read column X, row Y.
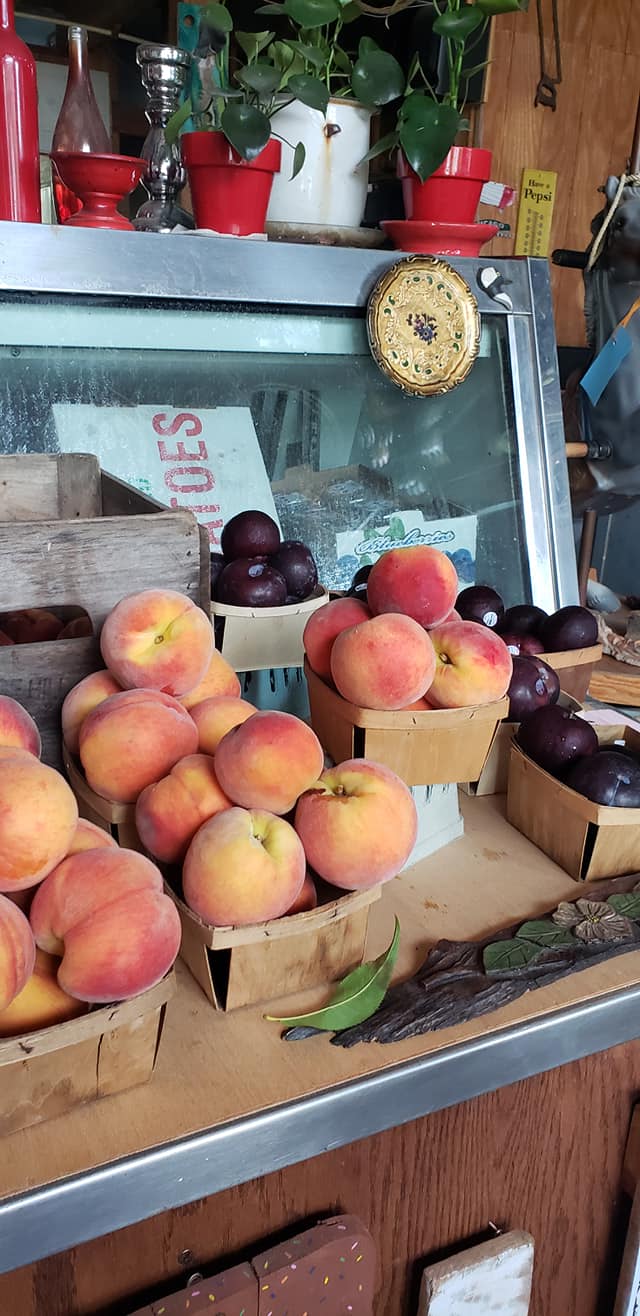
column 216, row 1069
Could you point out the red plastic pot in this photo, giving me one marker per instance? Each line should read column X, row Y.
column 229, row 194
column 452, row 194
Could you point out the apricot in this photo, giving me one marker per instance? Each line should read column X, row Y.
column 384, row 663
column 85, row 696
column 219, row 679
column 17, row 727
column 268, row 761
column 38, row 819
column 242, row 867
column 214, row 717
column 169, row 813
column 41, row 1002
column 358, row 824
column 157, row 640
column 325, row 625
column 473, row 665
column 88, row 836
column 133, row 739
column 31, row 626
column 420, row 581
column 17, row 951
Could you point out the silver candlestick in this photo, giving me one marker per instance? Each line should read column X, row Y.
column 164, row 71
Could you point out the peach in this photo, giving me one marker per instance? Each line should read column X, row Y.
column 17, row 951
column 38, row 818
column 41, row 1002
column 88, row 836
column 82, row 883
column 121, row 949
column 384, row 663
column 169, row 813
column 219, row 679
column 453, row 616
column 419, row 581
column 325, row 625
column 214, row 717
column 85, row 696
column 157, row 640
column 79, row 628
column 31, row 626
column 358, row 824
column 473, row 665
column 307, row 898
column 133, row 739
column 17, row 727
column 243, row 867
column 268, row 761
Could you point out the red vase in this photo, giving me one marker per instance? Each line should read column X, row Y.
column 19, row 149
column 229, row 194
column 452, row 193
column 79, row 126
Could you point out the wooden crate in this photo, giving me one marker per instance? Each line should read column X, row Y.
column 574, row 667
column 590, row 841
column 72, row 536
column 243, row 966
column 494, row 777
column 50, row 1071
column 427, row 748
column 257, row 639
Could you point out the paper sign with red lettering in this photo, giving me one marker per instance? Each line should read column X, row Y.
column 207, row 460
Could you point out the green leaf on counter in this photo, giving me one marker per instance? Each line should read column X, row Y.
column 626, row 903
column 545, row 933
column 355, row 998
column 509, row 954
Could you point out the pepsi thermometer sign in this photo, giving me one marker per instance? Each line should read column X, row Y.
column 208, row 461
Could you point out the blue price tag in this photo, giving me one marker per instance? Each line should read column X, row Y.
column 608, row 361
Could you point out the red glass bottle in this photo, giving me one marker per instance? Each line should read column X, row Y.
column 19, row 149
column 80, row 126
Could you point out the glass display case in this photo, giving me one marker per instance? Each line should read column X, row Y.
column 221, row 374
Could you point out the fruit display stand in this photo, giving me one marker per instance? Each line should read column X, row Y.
column 243, row 966
column 77, row 537
column 258, row 639
column 424, row 748
column 590, row 841
column 240, row 1132
column 575, row 668
column 47, row 1073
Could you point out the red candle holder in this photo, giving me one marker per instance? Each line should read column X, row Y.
column 101, row 182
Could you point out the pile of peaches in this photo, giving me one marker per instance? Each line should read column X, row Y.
column 37, row 625
column 407, row 646
column 81, row 921
column 234, row 802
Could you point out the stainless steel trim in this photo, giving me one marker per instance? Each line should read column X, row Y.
column 535, row 503
column 53, row 259
column 46, row 1220
column 553, row 446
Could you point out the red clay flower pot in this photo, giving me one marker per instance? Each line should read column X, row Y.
column 229, row 194
column 452, row 194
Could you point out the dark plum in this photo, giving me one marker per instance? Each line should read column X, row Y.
column 570, row 628
column 553, row 737
column 218, row 564
column 607, row 778
column 522, row 645
column 482, row 604
column 249, row 584
column 523, row 619
column 533, row 685
column 296, row 563
column 249, row 534
column 358, row 586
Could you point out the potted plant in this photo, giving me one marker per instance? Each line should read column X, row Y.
column 336, row 89
column 442, row 182
column 231, row 153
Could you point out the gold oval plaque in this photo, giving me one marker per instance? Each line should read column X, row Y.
column 424, row 325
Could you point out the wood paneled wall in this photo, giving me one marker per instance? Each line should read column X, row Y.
column 585, row 140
